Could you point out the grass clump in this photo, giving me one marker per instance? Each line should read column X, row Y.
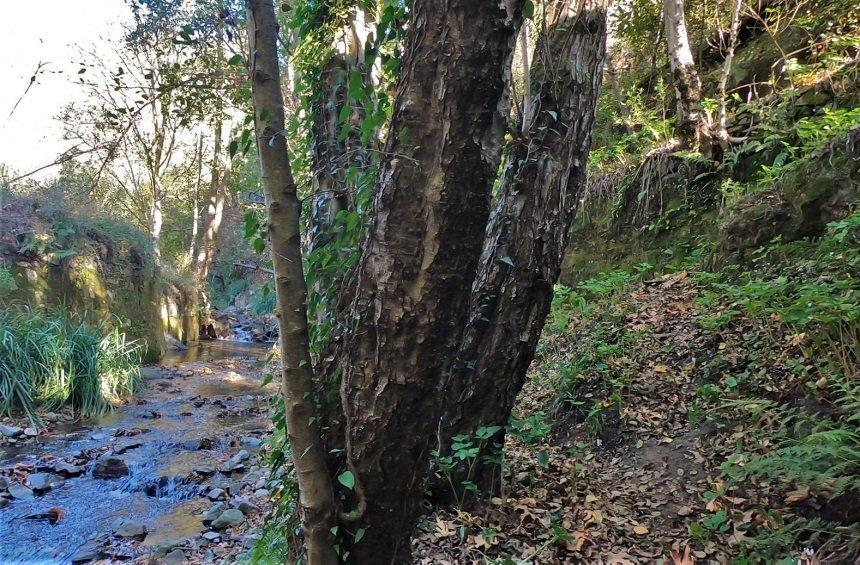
column 53, row 359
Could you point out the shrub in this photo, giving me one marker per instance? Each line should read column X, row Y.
column 56, row 358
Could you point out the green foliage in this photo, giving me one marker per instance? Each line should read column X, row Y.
column 466, row 452
column 7, row 282
column 55, row 359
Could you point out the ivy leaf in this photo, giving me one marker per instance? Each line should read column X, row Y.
column 528, row 10
column 347, row 479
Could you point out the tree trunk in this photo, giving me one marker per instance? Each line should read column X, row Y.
column 214, row 209
column 420, row 256
column 528, row 231
column 614, row 64
column 722, row 133
column 691, row 126
column 156, row 220
column 316, row 498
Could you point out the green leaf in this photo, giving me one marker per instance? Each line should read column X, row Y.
column 359, row 534
column 232, row 148
column 235, row 60
column 507, row 261
column 528, row 10
column 347, row 479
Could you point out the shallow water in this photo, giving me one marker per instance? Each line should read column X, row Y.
column 181, row 413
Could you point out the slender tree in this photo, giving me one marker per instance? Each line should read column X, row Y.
column 528, row 230
column 691, row 125
column 316, row 498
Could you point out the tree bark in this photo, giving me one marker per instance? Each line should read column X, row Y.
column 691, row 126
column 528, row 231
column 721, row 130
column 316, row 498
column 420, row 256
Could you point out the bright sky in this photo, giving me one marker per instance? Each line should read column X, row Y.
column 46, row 31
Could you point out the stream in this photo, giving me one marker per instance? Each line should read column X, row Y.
column 189, row 437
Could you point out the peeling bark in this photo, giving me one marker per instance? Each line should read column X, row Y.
column 316, row 498
column 420, row 256
column 528, row 231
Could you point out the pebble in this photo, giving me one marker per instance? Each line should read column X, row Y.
column 244, row 506
column 261, row 493
column 20, row 492
column 211, row 536
column 67, row 469
column 10, row 431
column 41, row 482
column 4, row 484
column 130, row 530
column 31, row 432
column 216, row 494
column 127, row 445
column 89, row 552
column 214, row 511
column 175, row 557
column 205, row 470
column 252, row 441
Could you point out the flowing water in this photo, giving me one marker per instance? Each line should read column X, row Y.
column 194, row 414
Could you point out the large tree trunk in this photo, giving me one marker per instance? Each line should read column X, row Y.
column 528, row 230
column 316, row 498
column 213, row 210
column 691, row 126
column 420, row 257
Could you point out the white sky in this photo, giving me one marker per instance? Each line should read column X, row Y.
column 47, row 31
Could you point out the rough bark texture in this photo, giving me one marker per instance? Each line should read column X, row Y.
column 419, row 260
column 316, row 498
column 691, row 126
column 528, row 228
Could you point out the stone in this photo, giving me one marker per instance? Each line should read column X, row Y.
column 127, row 445
column 4, row 502
column 261, row 493
column 211, row 536
column 41, row 482
column 4, row 484
column 20, row 492
column 205, row 470
column 110, row 468
column 11, row 431
column 175, row 557
column 234, row 488
column 216, row 494
column 244, row 506
column 89, row 552
column 214, row 511
column 67, row 469
column 231, row 517
column 98, row 437
column 129, row 529
column 252, row 441
column 31, row 432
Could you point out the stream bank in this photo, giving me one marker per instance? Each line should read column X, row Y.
column 176, row 472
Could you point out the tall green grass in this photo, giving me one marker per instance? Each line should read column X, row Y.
column 53, row 359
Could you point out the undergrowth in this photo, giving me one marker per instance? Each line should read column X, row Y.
column 53, row 359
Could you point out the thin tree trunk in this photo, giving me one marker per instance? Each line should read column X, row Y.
column 214, row 210
column 195, row 211
column 526, row 61
column 316, row 498
column 691, row 125
column 614, row 65
column 420, row 257
column 528, row 231
column 156, row 220
column 722, row 133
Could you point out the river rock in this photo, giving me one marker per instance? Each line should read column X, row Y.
column 67, row 469
column 129, row 529
column 11, row 431
column 4, row 502
column 4, row 484
column 205, row 470
column 235, row 463
column 252, row 441
column 41, row 482
column 216, row 494
column 175, row 557
column 20, row 492
column 110, row 468
column 31, row 432
column 89, row 552
column 261, row 493
column 211, row 536
column 214, row 511
column 244, row 506
column 127, row 445
column 98, row 437
column 231, row 517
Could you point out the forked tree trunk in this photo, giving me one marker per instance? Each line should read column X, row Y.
column 691, row 127
column 420, row 256
column 316, row 498
column 528, row 229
